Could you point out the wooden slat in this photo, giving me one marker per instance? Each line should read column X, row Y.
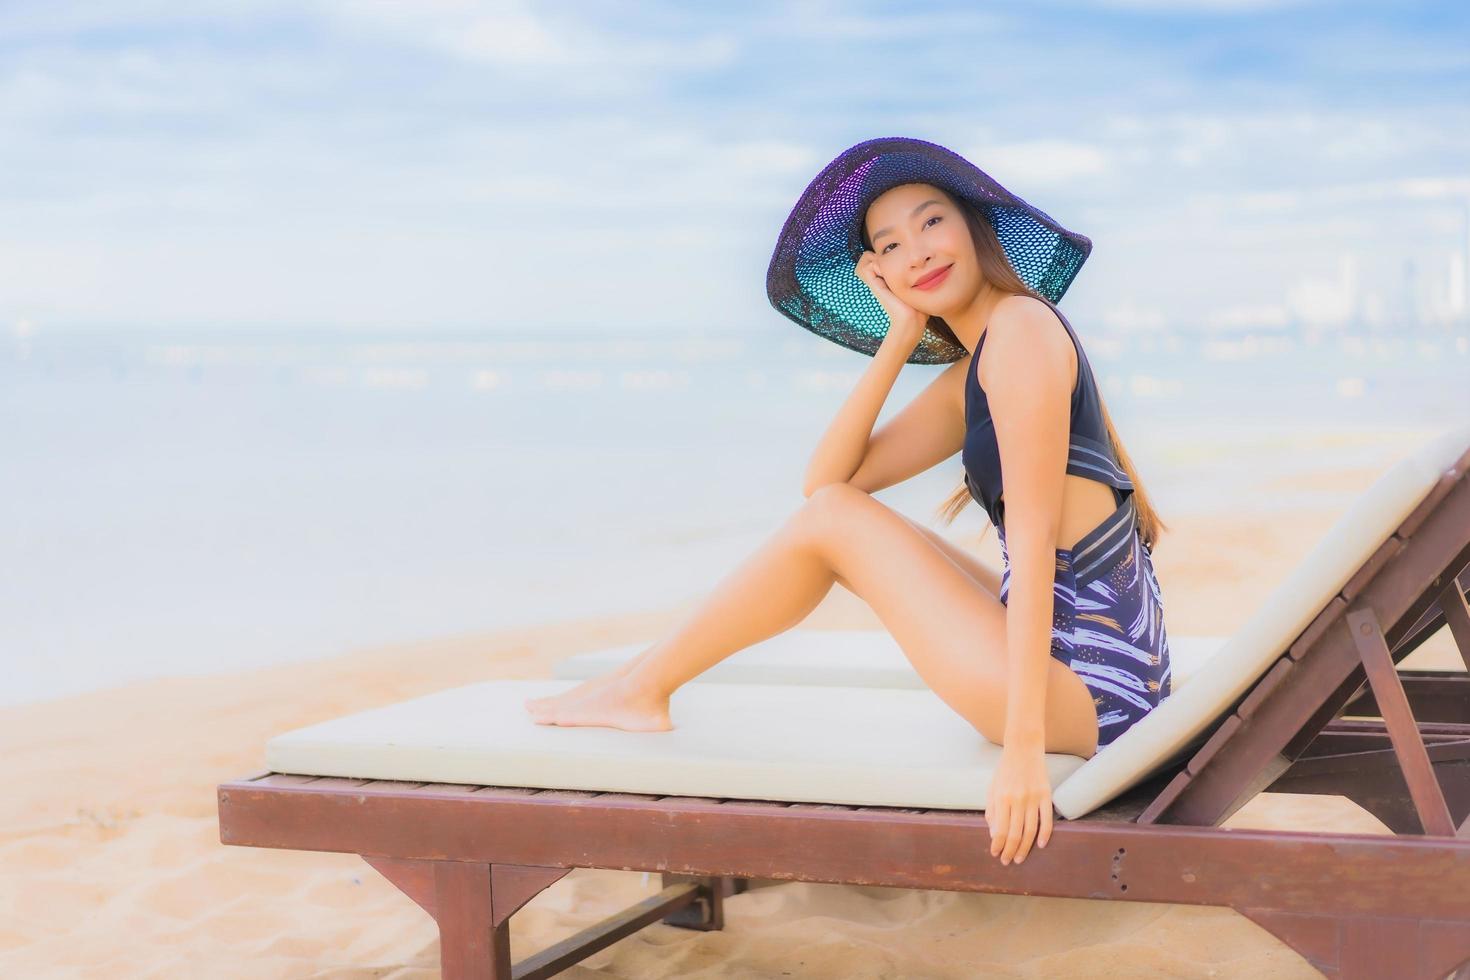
column 1166, row 798
column 448, row 789
column 1360, row 579
column 390, row 786
column 629, row 798
column 692, row 800
column 1216, row 742
column 568, row 795
column 284, row 779
column 507, row 792
column 1431, row 501
column 902, row 809
column 1265, row 686
column 1330, row 614
column 339, row 782
column 755, row 804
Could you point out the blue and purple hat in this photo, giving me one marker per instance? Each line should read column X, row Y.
column 812, row 278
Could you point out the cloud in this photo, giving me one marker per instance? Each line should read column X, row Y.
column 1130, row 317
column 843, row 20
column 355, row 162
column 1043, row 161
column 512, row 34
column 1204, row 6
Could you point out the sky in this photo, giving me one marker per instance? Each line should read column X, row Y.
column 452, row 164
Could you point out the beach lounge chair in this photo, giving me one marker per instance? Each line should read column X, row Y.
column 472, row 811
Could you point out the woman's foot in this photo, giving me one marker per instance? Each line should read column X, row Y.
column 588, row 685
column 608, row 701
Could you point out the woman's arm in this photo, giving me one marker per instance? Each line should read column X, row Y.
column 1026, row 377
column 1026, row 381
column 842, row 448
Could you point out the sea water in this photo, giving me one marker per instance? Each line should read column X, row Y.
column 190, row 501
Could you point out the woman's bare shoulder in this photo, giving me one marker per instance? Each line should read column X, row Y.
column 1021, row 329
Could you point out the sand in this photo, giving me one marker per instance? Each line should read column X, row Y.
column 111, row 866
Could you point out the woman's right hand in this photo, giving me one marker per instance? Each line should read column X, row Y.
column 905, row 324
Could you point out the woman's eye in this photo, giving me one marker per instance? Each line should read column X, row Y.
column 890, row 245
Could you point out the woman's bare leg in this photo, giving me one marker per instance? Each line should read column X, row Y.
column 769, row 592
column 951, row 628
column 984, row 575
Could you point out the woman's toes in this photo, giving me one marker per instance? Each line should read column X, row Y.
column 612, row 705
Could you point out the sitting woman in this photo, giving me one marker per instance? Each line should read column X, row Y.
column 909, row 253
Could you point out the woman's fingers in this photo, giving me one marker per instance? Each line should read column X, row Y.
column 867, row 271
column 997, row 819
column 1014, row 832
column 1018, row 821
column 1015, row 829
column 1033, row 820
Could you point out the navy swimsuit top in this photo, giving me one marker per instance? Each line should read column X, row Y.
column 1089, row 453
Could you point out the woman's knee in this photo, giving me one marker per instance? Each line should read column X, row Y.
column 831, row 510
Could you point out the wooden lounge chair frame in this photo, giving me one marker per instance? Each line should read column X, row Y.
column 1333, row 715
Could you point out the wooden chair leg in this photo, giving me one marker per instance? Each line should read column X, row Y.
column 472, row 903
column 707, row 912
column 472, row 945
column 1403, row 731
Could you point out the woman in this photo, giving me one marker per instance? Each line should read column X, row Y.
column 1062, row 651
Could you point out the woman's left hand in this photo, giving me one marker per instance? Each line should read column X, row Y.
column 1018, row 805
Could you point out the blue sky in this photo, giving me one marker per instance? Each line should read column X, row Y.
column 448, row 163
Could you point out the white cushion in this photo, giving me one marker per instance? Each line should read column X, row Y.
column 838, row 658
column 864, row 746
column 897, row 746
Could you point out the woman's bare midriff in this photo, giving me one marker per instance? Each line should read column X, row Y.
column 1085, row 503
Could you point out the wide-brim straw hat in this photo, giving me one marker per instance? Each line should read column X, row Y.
column 813, row 278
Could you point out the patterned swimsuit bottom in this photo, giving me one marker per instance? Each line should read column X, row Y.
column 1108, row 621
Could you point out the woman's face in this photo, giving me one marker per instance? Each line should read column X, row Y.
column 917, row 231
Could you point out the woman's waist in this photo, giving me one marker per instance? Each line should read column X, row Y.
column 1110, row 541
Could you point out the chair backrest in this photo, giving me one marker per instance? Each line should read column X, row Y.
column 1178, row 722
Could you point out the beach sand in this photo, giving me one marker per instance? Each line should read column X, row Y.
column 111, row 866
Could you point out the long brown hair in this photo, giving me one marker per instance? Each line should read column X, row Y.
column 998, row 271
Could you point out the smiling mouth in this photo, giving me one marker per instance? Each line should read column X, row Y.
column 934, row 278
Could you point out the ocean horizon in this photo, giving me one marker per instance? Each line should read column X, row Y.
column 184, row 501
